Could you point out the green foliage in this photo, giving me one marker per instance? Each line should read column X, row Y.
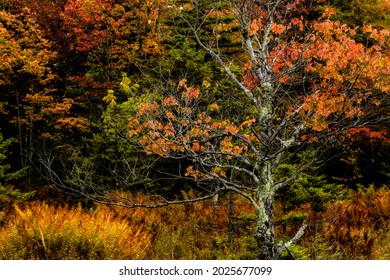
column 357, row 13
column 302, row 201
column 295, row 252
column 3, row 149
column 307, row 188
column 293, row 218
column 7, row 191
column 186, row 60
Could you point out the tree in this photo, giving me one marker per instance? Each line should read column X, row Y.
column 373, row 12
column 25, row 60
column 6, row 189
column 305, row 84
column 308, row 189
column 108, row 37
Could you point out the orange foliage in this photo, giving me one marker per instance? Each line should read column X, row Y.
column 174, row 127
column 24, row 52
column 191, row 231
column 41, row 231
column 93, row 24
column 359, row 228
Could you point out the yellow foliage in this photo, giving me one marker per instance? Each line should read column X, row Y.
column 41, row 231
column 190, row 231
column 219, row 172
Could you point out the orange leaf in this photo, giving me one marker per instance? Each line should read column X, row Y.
column 195, row 147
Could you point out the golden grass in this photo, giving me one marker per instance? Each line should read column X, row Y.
column 355, row 229
column 194, row 231
column 41, row 231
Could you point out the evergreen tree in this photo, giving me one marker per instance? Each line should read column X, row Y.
column 7, row 191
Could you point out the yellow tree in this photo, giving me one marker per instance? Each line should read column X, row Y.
column 29, row 102
column 25, row 59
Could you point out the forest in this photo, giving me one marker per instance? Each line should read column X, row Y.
column 194, row 129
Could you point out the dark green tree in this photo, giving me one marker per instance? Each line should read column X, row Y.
column 360, row 12
column 7, row 191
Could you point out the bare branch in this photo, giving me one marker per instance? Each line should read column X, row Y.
column 282, row 246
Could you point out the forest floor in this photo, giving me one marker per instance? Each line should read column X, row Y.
column 352, row 229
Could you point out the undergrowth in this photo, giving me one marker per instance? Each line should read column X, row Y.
column 41, row 231
column 359, row 228
column 348, row 229
column 194, row 231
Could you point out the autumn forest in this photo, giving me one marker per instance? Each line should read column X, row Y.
column 194, row 129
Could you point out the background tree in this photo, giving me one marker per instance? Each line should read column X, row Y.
column 7, row 191
column 27, row 96
column 358, row 13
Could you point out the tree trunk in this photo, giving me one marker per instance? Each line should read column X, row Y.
column 264, row 233
column 231, row 217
